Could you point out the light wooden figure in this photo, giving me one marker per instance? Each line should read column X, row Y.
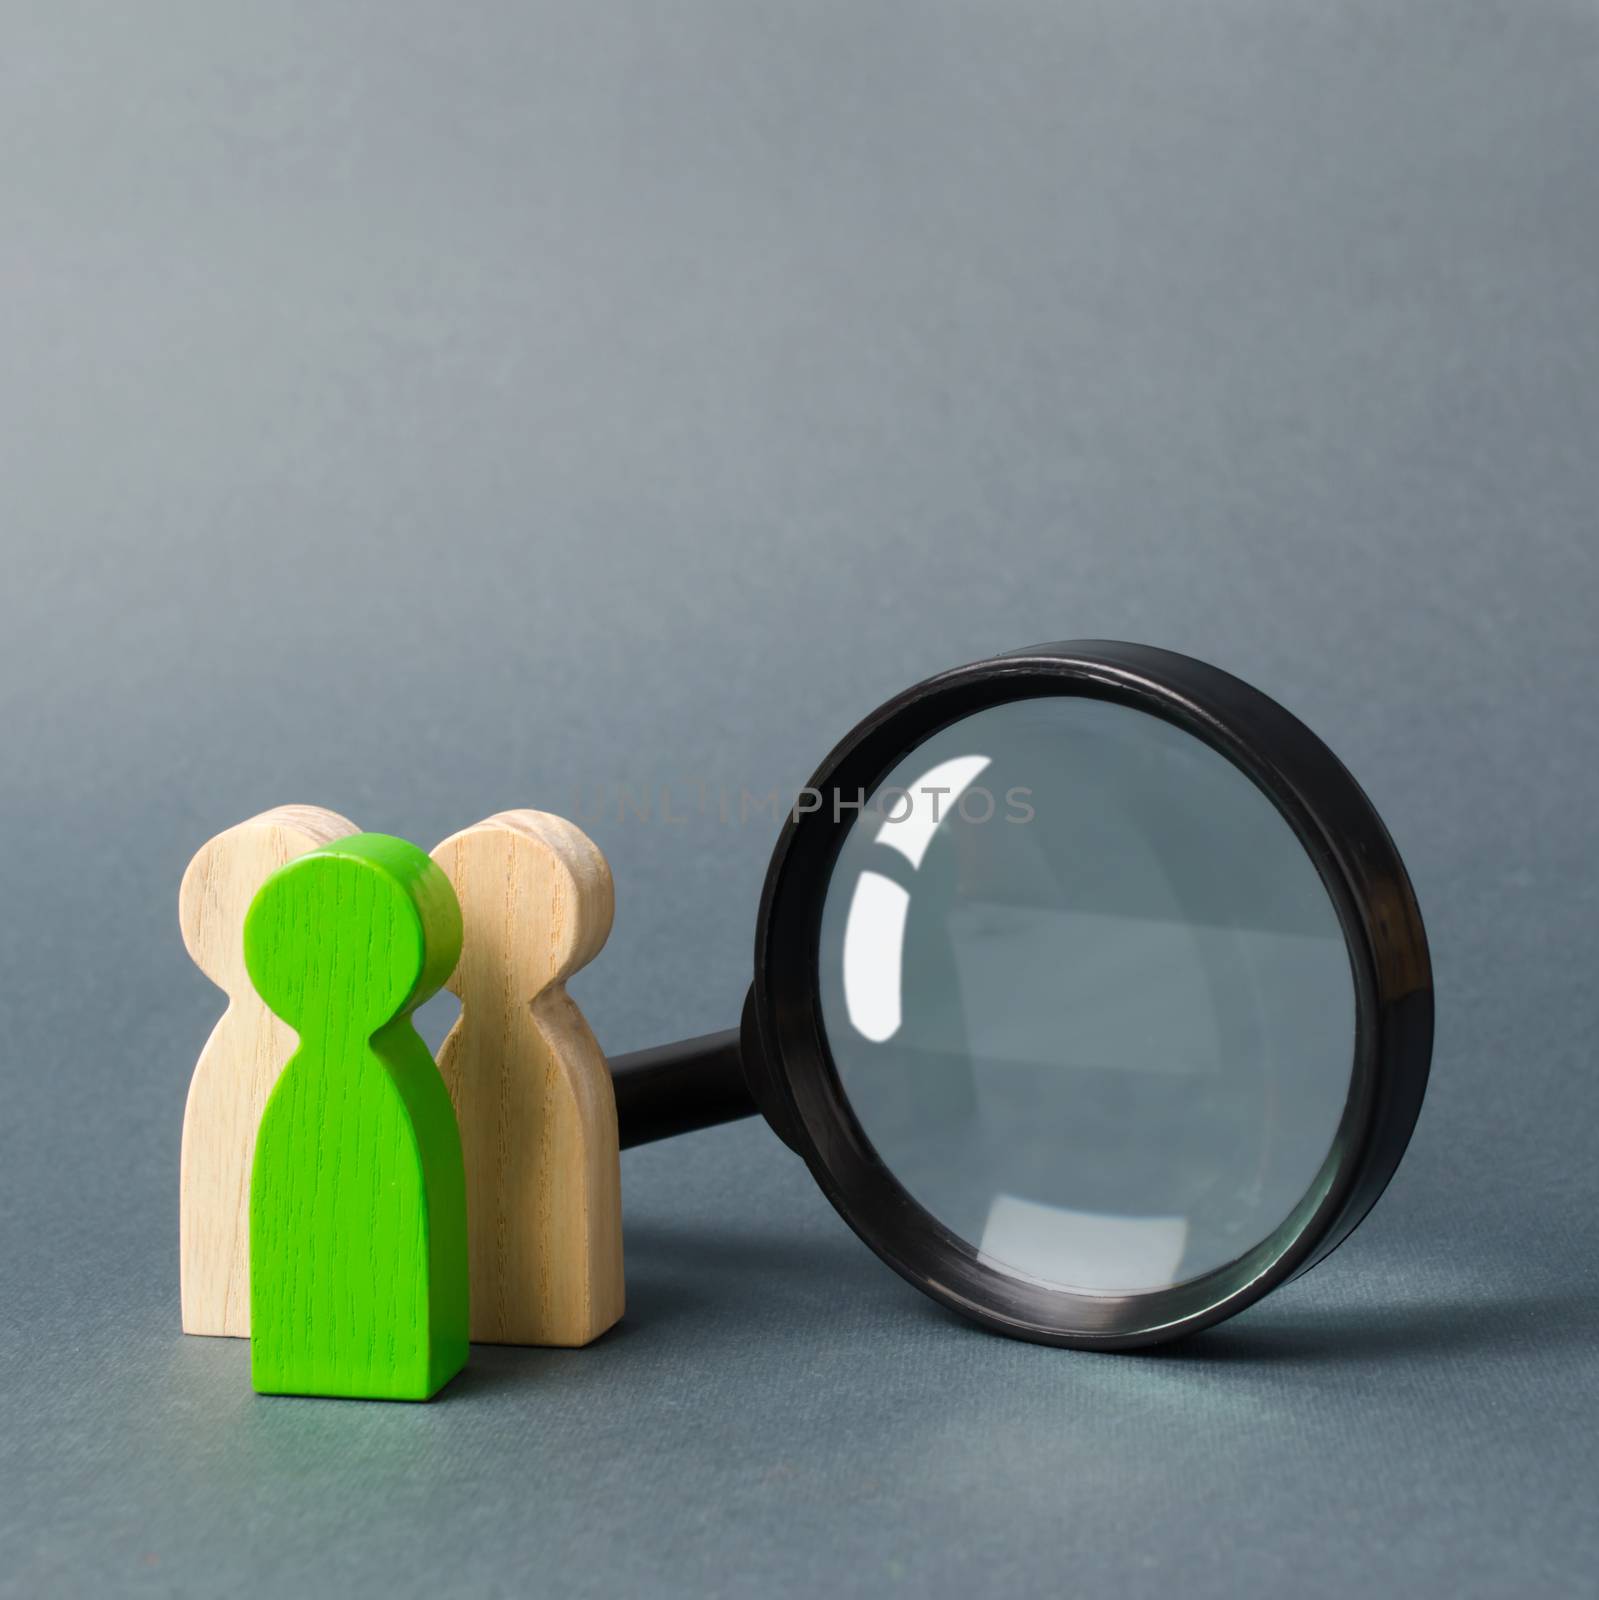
column 532, row 1093
column 239, row 1064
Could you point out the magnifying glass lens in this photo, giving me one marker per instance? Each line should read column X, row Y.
column 1087, row 996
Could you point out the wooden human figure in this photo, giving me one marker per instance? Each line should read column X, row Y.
column 358, row 1270
column 532, row 1092
column 239, row 1065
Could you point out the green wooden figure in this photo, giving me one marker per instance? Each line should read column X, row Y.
column 358, row 1253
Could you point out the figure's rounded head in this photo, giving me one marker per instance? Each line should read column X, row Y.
column 225, row 873
column 351, row 935
column 537, row 898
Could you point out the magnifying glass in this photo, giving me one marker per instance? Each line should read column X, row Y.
column 1090, row 987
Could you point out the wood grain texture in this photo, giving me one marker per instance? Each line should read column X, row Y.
column 358, row 1243
column 239, row 1064
column 532, row 1092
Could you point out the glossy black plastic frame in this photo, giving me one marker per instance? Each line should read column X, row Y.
column 793, row 1081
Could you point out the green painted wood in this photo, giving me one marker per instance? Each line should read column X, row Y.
column 358, row 1253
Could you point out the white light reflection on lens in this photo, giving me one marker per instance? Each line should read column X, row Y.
column 911, row 833
column 1108, row 1254
column 874, row 941
column 874, row 930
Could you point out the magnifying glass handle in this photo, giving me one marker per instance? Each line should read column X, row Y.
column 676, row 1088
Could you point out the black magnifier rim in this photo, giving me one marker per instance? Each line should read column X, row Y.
column 795, row 1080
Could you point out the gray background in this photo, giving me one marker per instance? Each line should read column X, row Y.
column 425, row 409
